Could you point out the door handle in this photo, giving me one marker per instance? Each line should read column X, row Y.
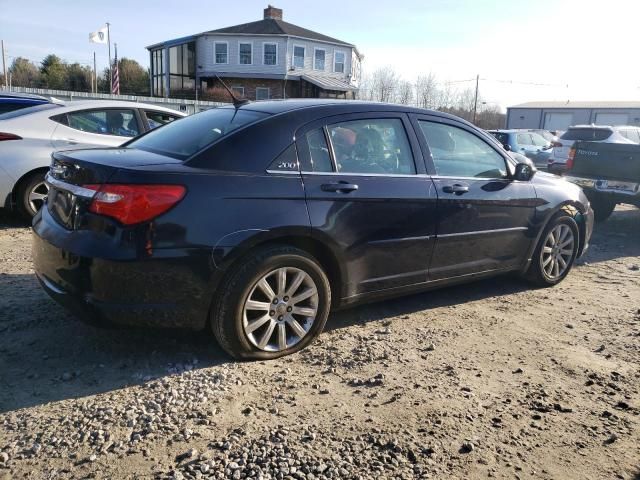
column 342, row 187
column 456, row 188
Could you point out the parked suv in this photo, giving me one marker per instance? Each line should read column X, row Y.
column 588, row 133
column 256, row 220
column 526, row 142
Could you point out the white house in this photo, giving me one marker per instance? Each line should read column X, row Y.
column 269, row 58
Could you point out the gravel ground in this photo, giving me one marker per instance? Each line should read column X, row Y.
column 483, row 380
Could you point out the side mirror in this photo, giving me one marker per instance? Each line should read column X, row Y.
column 525, row 171
column 507, row 147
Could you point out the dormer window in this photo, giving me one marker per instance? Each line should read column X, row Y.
column 270, row 55
column 221, row 52
column 318, row 60
column 298, row 56
column 338, row 62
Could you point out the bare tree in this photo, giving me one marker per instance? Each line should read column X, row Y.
column 404, row 93
column 426, row 91
column 384, row 84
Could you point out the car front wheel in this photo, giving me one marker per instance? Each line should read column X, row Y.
column 555, row 253
column 274, row 303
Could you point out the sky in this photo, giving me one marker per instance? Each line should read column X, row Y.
column 523, row 50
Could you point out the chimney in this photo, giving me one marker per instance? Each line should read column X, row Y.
column 273, row 12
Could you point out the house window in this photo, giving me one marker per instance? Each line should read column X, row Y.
column 221, row 52
column 338, row 62
column 246, row 54
column 238, row 91
column 270, row 53
column 298, row 56
column 262, row 93
column 318, row 61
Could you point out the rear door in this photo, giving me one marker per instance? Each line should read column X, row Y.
column 370, row 198
column 484, row 217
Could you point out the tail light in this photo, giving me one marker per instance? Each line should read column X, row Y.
column 572, row 154
column 9, row 136
column 131, row 204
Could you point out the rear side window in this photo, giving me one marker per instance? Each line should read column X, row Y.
column 458, row 153
column 631, row 134
column 119, row 122
column 191, row 134
column 319, row 151
column 503, row 138
column 586, row 134
column 539, row 140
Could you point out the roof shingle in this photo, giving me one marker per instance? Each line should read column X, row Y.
column 272, row 26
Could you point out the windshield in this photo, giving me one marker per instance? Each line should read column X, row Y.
column 586, row 134
column 182, row 138
column 28, row 110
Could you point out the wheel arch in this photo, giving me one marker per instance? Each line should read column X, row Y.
column 13, row 196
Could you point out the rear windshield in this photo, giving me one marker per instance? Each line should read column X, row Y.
column 586, row 134
column 28, row 110
column 184, row 137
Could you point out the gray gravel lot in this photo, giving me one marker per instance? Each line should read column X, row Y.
column 490, row 379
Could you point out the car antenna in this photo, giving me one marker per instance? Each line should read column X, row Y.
column 237, row 102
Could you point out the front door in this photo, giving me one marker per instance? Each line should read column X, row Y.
column 484, row 217
column 370, row 198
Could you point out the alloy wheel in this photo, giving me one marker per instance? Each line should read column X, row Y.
column 557, row 251
column 37, row 196
column 280, row 309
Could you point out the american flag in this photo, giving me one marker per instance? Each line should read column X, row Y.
column 115, row 86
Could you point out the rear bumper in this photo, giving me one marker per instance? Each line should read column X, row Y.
column 594, row 187
column 170, row 288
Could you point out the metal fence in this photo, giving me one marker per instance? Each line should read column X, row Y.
column 182, row 105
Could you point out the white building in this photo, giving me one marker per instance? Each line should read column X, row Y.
column 269, row 58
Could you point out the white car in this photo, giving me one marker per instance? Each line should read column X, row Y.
column 28, row 137
column 592, row 133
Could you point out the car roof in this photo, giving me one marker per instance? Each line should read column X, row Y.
column 28, row 96
column 337, row 107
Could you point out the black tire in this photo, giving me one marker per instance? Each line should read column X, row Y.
column 536, row 274
column 227, row 310
column 602, row 207
column 23, row 204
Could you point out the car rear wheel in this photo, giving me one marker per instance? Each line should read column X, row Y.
column 32, row 194
column 273, row 304
column 555, row 253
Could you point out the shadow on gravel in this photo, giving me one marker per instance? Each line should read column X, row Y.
column 10, row 220
column 49, row 355
column 618, row 237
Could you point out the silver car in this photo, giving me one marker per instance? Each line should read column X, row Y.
column 28, row 137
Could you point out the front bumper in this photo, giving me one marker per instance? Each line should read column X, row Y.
column 171, row 288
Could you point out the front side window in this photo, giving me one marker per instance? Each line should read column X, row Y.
column 157, row 119
column 262, row 93
column 298, row 57
column 524, row 139
column 372, row 146
column 458, row 153
column 318, row 61
column 119, row 122
column 191, row 134
column 246, row 53
column 539, row 140
column 270, row 54
column 221, row 52
column 338, row 65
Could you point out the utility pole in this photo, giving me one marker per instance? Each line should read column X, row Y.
column 475, row 103
column 4, row 64
column 95, row 74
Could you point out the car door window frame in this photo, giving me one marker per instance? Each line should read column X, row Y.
column 489, row 140
column 145, row 120
column 322, row 123
column 136, row 115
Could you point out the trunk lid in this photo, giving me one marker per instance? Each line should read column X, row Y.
column 607, row 161
column 71, row 170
